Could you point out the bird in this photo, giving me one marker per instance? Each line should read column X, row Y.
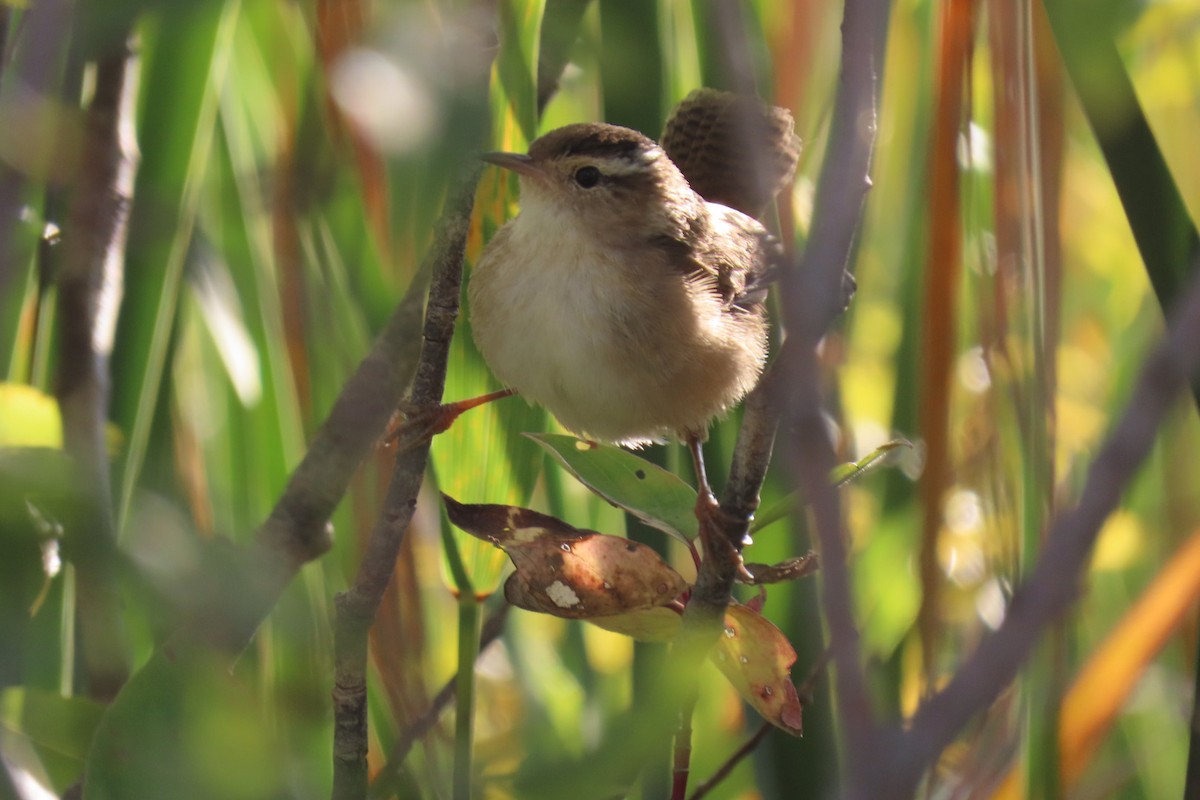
column 620, row 298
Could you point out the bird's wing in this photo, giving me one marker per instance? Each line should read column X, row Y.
column 746, row 256
column 733, row 256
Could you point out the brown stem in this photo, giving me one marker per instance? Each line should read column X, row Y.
column 805, row 692
column 355, row 608
column 90, row 287
column 813, row 297
column 738, row 756
column 682, row 757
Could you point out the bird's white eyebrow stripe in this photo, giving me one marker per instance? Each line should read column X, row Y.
column 624, row 165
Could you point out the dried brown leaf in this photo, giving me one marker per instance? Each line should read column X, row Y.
column 568, row 572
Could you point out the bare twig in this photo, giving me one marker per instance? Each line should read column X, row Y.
column 356, row 607
column 756, row 439
column 813, row 296
column 90, row 288
column 804, row 691
column 748, row 747
column 682, row 756
column 722, row 534
column 1054, row 582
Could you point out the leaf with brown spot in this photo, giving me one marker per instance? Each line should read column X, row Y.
column 757, row 659
column 568, row 572
column 507, row 526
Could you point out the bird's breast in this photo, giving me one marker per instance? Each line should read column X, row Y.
column 547, row 305
column 616, row 346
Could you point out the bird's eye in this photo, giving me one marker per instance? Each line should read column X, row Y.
column 587, row 177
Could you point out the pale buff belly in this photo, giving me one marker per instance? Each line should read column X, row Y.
column 610, row 363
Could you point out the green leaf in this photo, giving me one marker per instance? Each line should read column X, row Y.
column 184, row 61
column 484, row 455
column 844, row 473
column 516, row 65
column 649, row 492
column 839, row 476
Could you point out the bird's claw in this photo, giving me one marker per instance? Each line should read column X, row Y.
column 714, row 518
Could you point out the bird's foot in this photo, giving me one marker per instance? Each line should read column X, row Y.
column 415, row 424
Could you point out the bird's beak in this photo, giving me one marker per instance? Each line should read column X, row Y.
column 517, row 162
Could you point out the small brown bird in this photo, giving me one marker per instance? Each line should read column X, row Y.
column 620, row 298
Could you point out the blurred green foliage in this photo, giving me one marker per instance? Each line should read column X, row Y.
column 293, row 159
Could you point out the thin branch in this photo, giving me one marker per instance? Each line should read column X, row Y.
column 739, row 755
column 1054, row 584
column 813, row 296
column 804, row 691
column 297, row 530
column 90, row 288
column 682, row 756
column 355, row 608
column 756, row 439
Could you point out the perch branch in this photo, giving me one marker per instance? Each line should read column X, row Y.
column 355, row 608
column 90, row 287
column 813, row 298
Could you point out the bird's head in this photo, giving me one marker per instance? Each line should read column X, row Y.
column 612, row 179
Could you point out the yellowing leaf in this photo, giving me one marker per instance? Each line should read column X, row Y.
column 757, row 659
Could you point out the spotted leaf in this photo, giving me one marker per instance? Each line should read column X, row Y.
column 757, row 659
column 568, row 572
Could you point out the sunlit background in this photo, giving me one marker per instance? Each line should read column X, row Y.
column 294, row 159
